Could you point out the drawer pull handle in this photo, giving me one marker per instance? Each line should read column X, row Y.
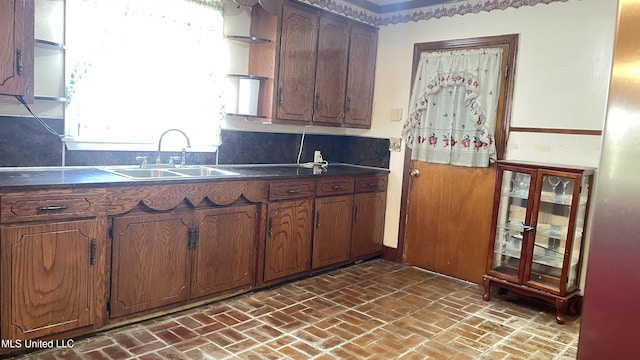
column 51, row 207
column 293, row 191
column 336, row 187
column 372, row 185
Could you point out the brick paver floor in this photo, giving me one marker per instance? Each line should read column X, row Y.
column 373, row 310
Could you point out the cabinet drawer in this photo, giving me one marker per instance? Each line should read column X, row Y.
column 49, row 206
column 282, row 190
column 339, row 186
column 371, row 183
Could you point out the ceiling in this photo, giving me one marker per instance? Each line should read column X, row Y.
column 387, row 6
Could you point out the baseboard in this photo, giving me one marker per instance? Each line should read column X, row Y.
column 390, row 254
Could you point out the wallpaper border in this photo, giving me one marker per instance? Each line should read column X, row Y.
column 424, row 13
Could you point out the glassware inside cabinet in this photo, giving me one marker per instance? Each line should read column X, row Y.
column 557, row 189
column 511, row 221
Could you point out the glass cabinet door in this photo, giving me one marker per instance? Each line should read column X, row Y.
column 558, row 234
column 552, row 252
column 512, row 225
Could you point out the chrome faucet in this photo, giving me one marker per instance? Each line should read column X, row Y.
column 184, row 151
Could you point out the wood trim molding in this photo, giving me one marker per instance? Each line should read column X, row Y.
column 556, row 131
column 390, row 254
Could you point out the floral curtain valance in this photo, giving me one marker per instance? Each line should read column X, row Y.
column 453, row 106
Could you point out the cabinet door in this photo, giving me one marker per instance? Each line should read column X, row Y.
column 360, row 76
column 288, row 244
column 296, row 77
column 16, row 48
column 225, row 254
column 368, row 224
column 512, row 223
column 332, row 235
column 51, row 277
column 150, row 262
column 331, row 72
column 555, row 248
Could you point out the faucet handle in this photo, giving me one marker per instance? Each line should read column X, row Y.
column 143, row 160
column 173, row 159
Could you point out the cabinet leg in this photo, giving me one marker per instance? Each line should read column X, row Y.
column 561, row 310
column 487, row 289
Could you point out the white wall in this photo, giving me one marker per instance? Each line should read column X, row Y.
column 561, row 81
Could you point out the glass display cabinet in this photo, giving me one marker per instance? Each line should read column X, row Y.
column 538, row 227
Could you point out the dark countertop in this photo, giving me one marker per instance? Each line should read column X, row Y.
column 85, row 175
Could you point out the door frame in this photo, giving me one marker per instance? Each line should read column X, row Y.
column 504, row 113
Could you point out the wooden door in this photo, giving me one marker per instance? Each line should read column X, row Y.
column 296, row 78
column 332, row 234
column 360, row 76
column 449, row 219
column 225, row 255
column 51, row 277
column 447, row 208
column 288, row 244
column 368, row 224
column 16, row 48
column 150, row 261
column 331, row 72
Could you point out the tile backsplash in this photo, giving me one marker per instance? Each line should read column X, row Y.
column 25, row 143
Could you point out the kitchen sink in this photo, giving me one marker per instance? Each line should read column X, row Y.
column 144, row 173
column 203, row 171
column 196, row 171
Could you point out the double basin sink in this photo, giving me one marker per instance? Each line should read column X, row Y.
column 169, row 172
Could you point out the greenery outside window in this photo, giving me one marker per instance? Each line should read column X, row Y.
column 135, row 68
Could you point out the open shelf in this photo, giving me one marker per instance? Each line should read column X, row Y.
column 244, row 76
column 247, row 39
column 41, row 43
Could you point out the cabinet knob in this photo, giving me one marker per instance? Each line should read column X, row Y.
column 414, row 172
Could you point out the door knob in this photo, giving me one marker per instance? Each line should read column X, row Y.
column 414, row 172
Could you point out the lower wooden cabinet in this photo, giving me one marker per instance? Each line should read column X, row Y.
column 53, row 278
column 225, row 255
column 368, row 224
column 332, row 230
column 163, row 259
column 150, row 261
column 348, row 226
column 288, row 240
column 60, row 276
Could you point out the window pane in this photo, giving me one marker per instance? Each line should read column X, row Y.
column 136, row 68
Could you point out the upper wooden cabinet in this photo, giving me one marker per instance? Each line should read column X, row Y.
column 297, row 65
column 16, row 48
column 361, row 73
column 331, row 71
column 322, row 64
